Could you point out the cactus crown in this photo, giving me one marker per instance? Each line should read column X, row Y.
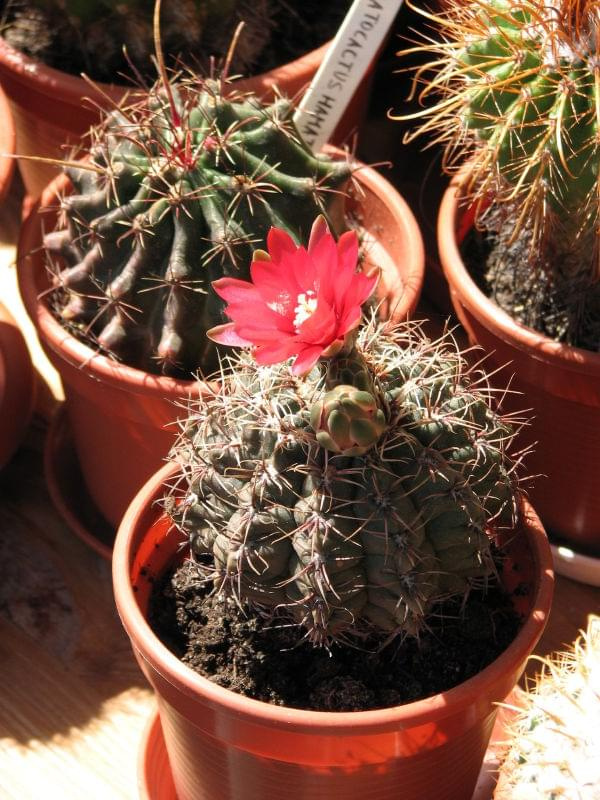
column 555, row 738
column 178, row 189
column 349, row 496
column 519, row 97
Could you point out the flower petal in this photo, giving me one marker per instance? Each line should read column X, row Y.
column 306, row 360
column 321, row 327
column 275, row 352
column 277, row 288
column 232, row 290
column 226, row 334
column 360, row 289
column 347, row 259
column 350, row 320
column 259, row 317
column 280, row 244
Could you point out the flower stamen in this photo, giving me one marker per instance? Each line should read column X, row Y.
column 307, row 305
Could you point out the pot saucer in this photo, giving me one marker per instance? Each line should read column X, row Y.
column 578, row 567
column 155, row 781
column 68, row 491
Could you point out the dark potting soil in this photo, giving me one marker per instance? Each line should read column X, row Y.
column 290, row 29
column 531, row 290
column 260, row 659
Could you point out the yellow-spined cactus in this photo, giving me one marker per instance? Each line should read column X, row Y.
column 513, row 88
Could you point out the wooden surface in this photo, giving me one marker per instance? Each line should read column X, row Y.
column 73, row 703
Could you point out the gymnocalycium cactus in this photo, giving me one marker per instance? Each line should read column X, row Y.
column 555, row 738
column 520, row 93
column 180, row 186
column 351, row 491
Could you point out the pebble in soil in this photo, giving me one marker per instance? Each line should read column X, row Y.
column 267, row 660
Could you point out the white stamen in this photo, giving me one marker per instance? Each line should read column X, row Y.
column 307, row 305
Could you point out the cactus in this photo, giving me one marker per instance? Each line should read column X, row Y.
column 179, row 188
column 555, row 737
column 343, row 531
column 94, row 32
column 518, row 95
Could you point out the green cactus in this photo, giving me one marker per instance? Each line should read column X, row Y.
column 90, row 35
column 181, row 188
column 555, row 736
column 366, row 539
column 347, row 420
column 519, row 98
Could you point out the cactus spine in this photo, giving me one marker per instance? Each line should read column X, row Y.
column 555, row 739
column 181, row 187
column 345, row 538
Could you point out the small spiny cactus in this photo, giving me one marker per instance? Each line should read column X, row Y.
column 342, row 539
column 178, row 190
column 555, row 739
column 96, row 32
column 518, row 93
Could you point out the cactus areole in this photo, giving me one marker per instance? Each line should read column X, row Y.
column 520, row 96
column 350, row 489
column 178, row 191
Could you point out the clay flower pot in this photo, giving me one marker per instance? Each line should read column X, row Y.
column 17, row 386
column 7, row 145
column 223, row 746
column 561, row 384
column 53, row 110
column 17, row 383
column 123, row 419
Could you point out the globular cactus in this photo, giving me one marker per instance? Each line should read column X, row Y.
column 344, row 535
column 555, row 738
column 178, row 190
column 517, row 91
column 90, row 35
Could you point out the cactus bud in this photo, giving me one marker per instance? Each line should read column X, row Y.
column 347, row 420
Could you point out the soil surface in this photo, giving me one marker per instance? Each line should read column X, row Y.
column 538, row 292
column 266, row 660
column 276, row 31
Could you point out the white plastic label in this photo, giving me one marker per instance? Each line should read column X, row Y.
column 348, row 58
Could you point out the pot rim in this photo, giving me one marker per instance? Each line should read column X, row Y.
column 7, row 144
column 185, row 680
column 81, row 356
column 486, row 310
column 49, row 79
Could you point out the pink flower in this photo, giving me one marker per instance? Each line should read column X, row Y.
column 302, row 302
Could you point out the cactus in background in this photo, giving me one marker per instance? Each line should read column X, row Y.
column 96, row 31
column 180, row 187
column 351, row 492
column 520, row 98
column 555, row 738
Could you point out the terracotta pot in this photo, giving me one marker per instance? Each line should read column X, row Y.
column 53, row 110
column 7, row 145
column 17, row 386
column 561, row 384
column 123, row 418
column 223, row 746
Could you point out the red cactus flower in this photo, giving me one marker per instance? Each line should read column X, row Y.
column 302, row 302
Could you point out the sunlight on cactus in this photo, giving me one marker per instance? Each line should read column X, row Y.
column 359, row 532
column 179, row 189
column 555, row 740
column 515, row 88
